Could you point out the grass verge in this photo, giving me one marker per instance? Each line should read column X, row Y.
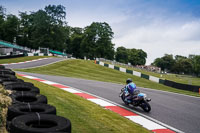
column 89, row 70
column 184, row 79
column 85, row 116
column 21, row 59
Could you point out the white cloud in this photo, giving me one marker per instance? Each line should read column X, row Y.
column 82, row 18
column 157, row 40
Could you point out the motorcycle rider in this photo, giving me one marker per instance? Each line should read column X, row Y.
column 129, row 89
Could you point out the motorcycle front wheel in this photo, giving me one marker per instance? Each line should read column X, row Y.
column 123, row 99
column 145, row 106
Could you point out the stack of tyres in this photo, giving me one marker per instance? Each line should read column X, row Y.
column 2, row 67
column 29, row 112
column 40, row 123
column 21, row 86
column 7, row 77
column 7, row 71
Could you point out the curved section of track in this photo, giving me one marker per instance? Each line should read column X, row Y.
column 178, row 111
column 35, row 63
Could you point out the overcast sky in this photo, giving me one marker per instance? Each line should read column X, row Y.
column 156, row 26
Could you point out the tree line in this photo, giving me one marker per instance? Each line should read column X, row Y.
column 179, row 64
column 47, row 28
column 133, row 56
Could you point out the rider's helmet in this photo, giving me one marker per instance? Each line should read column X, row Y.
column 129, row 80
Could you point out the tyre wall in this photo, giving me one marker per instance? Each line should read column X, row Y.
column 29, row 111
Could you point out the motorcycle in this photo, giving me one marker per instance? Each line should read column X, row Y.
column 139, row 99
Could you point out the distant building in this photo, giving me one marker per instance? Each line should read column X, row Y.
column 5, row 50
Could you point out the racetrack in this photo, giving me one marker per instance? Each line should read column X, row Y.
column 35, row 63
column 178, row 111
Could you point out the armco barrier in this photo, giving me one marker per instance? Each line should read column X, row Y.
column 129, row 71
column 154, row 79
column 116, row 68
column 182, row 86
column 161, row 81
column 144, row 76
column 106, row 65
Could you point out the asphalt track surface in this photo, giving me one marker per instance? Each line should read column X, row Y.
column 35, row 63
column 178, row 111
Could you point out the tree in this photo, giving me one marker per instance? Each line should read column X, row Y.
column 44, row 28
column 179, row 57
column 165, row 63
column 196, row 65
column 121, row 55
column 182, row 65
column 159, row 63
column 25, row 30
column 2, row 11
column 41, row 30
column 168, row 61
column 134, row 56
column 74, row 42
column 97, row 41
column 2, row 16
column 56, row 13
column 10, row 28
column 140, row 57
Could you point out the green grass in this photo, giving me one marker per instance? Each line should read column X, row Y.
column 85, row 116
column 89, row 70
column 21, row 59
column 185, row 79
column 5, row 101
